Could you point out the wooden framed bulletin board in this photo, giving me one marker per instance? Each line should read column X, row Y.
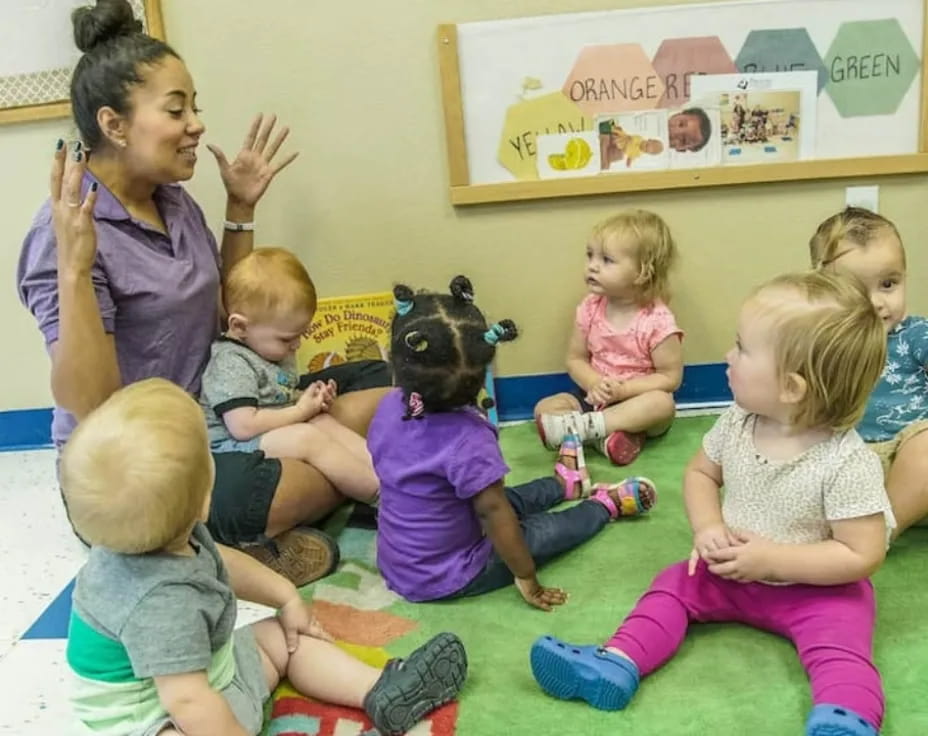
column 37, row 54
column 677, row 96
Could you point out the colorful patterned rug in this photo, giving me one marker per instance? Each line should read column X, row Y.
column 725, row 678
column 352, row 605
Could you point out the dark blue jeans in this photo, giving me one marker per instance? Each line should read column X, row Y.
column 547, row 535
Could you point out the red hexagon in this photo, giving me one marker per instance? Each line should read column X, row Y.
column 678, row 59
column 613, row 78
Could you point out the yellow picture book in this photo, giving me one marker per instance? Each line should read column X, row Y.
column 350, row 328
column 347, row 328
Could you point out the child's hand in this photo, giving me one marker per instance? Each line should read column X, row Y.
column 709, row 540
column 312, row 400
column 600, row 394
column 746, row 561
column 535, row 594
column 607, row 391
column 296, row 619
column 615, row 389
column 329, row 394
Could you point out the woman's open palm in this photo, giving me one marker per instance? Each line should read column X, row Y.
column 247, row 177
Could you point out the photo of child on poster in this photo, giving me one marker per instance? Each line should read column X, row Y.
column 633, row 141
column 760, row 126
column 660, row 139
column 694, row 133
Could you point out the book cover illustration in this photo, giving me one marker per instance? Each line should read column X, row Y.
column 347, row 329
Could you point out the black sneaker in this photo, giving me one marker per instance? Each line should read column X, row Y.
column 413, row 687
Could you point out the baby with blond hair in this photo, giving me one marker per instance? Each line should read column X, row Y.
column 152, row 640
column 253, row 395
column 803, row 522
column 625, row 351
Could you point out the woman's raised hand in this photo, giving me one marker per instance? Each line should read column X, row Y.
column 72, row 216
column 247, row 177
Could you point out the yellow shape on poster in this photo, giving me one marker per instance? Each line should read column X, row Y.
column 577, row 154
column 543, row 115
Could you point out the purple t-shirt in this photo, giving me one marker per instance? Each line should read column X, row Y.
column 430, row 542
column 158, row 294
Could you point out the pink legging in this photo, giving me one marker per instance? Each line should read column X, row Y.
column 831, row 627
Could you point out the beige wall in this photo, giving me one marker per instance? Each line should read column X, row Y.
column 366, row 203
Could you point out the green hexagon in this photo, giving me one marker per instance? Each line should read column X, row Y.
column 871, row 65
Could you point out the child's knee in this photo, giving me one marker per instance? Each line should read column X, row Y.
column 557, row 404
column 664, row 403
column 661, row 409
column 913, row 454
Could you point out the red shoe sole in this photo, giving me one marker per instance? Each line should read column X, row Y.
column 622, row 448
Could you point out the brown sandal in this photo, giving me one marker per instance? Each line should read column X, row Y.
column 302, row 555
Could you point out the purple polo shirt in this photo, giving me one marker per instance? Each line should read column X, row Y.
column 158, row 294
column 430, row 542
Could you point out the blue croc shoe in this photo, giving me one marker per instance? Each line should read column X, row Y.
column 835, row 720
column 601, row 678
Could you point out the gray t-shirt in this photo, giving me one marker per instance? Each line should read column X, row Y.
column 237, row 376
column 136, row 617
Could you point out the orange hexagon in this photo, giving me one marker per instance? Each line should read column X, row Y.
column 613, row 78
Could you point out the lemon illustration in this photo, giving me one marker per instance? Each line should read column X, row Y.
column 578, row 153
column 556, row 161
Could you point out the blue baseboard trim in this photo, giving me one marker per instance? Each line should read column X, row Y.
column 25, row 429
column 516, row 396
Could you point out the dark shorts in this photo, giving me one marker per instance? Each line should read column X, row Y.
column 580, row 395
column 247, row 481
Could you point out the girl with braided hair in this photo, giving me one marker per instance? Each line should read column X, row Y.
column 448, row 526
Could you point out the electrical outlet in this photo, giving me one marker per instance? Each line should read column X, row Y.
column 866, row 197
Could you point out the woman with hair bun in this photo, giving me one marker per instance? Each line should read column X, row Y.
column 122, row 273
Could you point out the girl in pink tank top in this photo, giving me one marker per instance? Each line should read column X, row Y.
column 625, row 351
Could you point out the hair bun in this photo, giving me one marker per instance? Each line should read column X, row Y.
column 462, row 289
column 403, row 293
column 510, row 331
column 108, row 19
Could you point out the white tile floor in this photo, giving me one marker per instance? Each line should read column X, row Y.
column 40, row 556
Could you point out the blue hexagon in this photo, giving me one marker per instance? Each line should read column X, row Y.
column 781, row 50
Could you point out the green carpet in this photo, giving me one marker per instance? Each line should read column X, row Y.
column 726, row 679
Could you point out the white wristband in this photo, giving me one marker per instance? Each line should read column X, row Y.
column 239, row 227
